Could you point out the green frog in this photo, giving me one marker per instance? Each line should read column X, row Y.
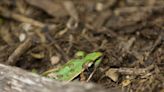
column 74, row 67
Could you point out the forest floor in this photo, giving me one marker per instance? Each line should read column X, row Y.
column 38, row 35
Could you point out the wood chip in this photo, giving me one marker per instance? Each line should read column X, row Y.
column 54, row 60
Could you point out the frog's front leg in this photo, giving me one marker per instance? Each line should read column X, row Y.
column 96, row 64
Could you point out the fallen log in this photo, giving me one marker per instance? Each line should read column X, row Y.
column 13, row 79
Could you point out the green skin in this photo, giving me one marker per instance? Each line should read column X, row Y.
column 74, row 67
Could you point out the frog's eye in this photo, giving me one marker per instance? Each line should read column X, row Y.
column 80, row 54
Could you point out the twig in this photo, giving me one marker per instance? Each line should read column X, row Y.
column 21, row 18
column 22, row 48
column 157, row 42
column 153, row 48
column 91, row 75
column 59, row 49
column 134, row 71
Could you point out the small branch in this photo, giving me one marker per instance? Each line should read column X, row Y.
column 134, row 71
column 21, row 18
column 154, row 47
column 22, row 48
column 57, row 47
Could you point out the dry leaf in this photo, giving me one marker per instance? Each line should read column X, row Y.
column 113, row 74
column 126, row 82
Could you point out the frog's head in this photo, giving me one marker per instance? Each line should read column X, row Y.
column 93, row 56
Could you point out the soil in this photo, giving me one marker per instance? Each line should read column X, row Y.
column 38, row 35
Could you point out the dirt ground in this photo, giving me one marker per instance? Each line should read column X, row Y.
column 37, row 35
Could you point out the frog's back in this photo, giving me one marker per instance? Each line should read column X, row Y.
column 70, row 70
